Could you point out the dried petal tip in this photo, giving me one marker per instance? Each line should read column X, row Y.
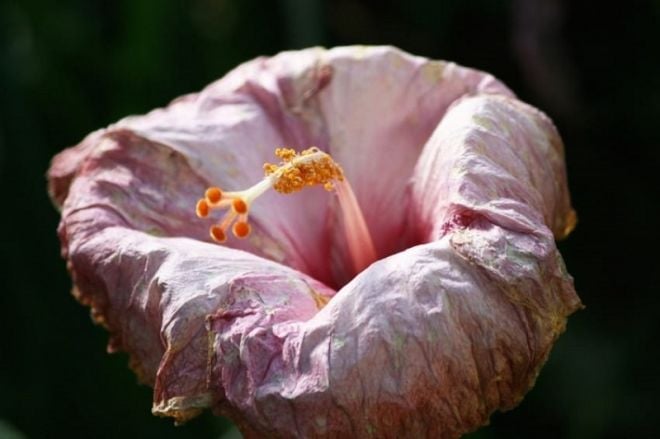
column 309, row 168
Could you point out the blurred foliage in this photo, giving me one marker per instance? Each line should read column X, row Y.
column 69, row 67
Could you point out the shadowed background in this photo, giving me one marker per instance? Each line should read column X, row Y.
column 70, row 67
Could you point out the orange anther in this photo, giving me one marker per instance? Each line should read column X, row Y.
column 218, row 234
column 202, row 209
column 213, row 195
column 286, row 154
column 270, row 168
column 239, row 206
column 241, row 229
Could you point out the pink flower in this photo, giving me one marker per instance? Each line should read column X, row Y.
column 415, row 298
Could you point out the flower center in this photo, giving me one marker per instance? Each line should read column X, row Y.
column 295, row 171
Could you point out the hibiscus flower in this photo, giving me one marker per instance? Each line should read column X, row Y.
column 416, row 293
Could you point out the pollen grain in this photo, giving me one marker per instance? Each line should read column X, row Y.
column 239, row 206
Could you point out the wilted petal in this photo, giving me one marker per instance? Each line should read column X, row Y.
column 381, row 108
column 495, row 157
column 424, row 343
column 429, row 341
column 154, row 293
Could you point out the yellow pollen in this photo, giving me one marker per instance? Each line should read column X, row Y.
column 295, row 171
column 286, row 154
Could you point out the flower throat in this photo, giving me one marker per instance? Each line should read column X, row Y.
column 312, row 167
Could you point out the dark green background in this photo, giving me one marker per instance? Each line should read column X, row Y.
column 69, row 67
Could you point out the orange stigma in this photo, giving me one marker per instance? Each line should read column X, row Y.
column 218, row 234
column 239, row 206
column 241, row 229
column 202, row 209
column 213, row 195
column 295, row 171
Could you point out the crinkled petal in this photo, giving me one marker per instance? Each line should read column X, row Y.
column 426, row 342
column 153, row 292
column 154, row 295
column 496, row 157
